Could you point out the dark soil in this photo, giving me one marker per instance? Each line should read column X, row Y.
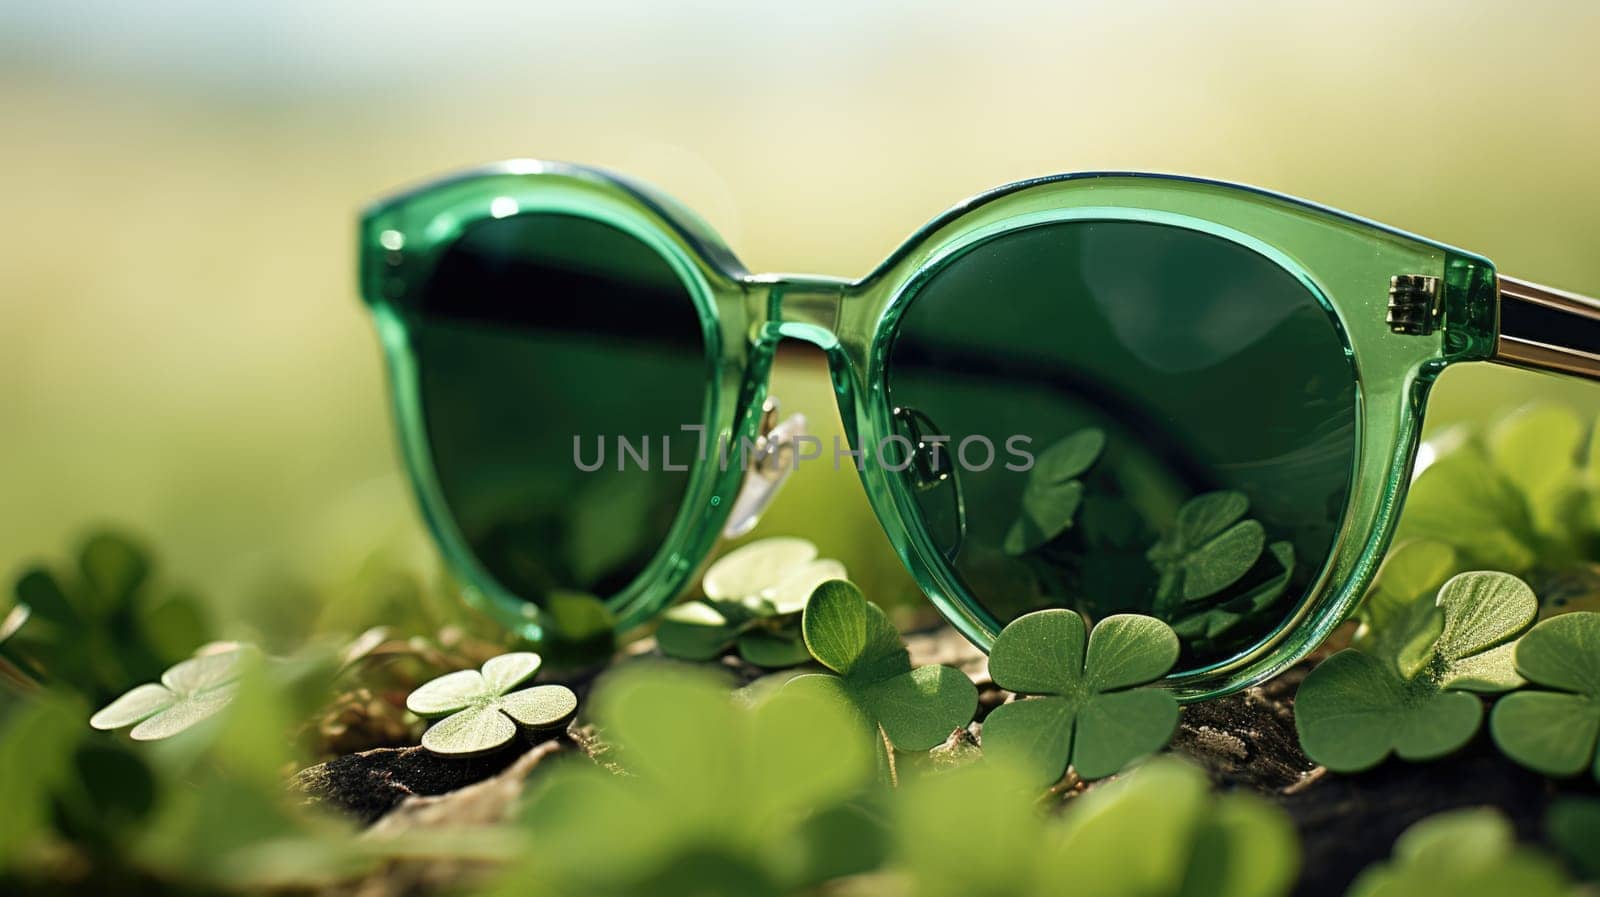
column 369, row 784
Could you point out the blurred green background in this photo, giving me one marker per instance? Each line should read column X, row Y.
column 182, row 349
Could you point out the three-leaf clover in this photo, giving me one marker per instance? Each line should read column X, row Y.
column 1088, row 713
column 1555, row 732
column 191, row 691
column 753, row 596
column 482, row 713
column 915, row 708
column 1210, row 546
column 1205, row 620
column 1053, row 493
column 1357, row 707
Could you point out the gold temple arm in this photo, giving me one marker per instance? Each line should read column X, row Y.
column 1548, row 329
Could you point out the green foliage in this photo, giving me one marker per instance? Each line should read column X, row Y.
column 192, row 812
column 1463, row 853
column 1573, row 826
column 480, row 711
column 189, row 693
column 1522, row 496
column 61, row 782
column 1088, row 711
column 1358, row 706
column 1156, row 832
column 1554, row 732
column 719, row 797
column 914, row 708
column 106, row 624
column 753, row 599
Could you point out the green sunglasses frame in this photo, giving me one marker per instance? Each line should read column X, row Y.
column 1405, row 308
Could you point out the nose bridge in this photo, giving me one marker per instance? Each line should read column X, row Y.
column 799, row 306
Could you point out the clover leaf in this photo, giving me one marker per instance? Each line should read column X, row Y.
column 1053, row 493
column 480, row 711
column 188, row 693
column 1357, row 707
column 1555, row 732
column 1205, row 621
column 1088, row 713
column 1210, row 547
column 1461, row 853
column 753, row 596
column 914, row 708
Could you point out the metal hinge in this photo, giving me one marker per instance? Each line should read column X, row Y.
column 1414, row 307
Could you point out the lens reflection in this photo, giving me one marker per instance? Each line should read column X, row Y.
column 1190, row 413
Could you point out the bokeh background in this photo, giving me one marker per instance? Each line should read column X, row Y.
column 182, row 349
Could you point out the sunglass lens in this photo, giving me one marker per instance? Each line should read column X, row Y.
column 1183, row 406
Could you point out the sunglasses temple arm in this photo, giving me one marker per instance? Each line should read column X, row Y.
column 1548, row 329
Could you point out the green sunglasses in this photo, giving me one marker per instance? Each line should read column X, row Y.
column 1114, row 392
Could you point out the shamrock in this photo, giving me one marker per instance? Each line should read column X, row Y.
column 1357, row 707
column 1205, row 620
column 1053, row 493
column 753, row 595
column 1088, row 713
column 1210, row 547
column 479, row 715
column 191, row 691
column 1554, row 732
column 914, row 709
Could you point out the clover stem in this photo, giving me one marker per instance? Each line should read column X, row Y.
column 888, row 756
column 1068, row 783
